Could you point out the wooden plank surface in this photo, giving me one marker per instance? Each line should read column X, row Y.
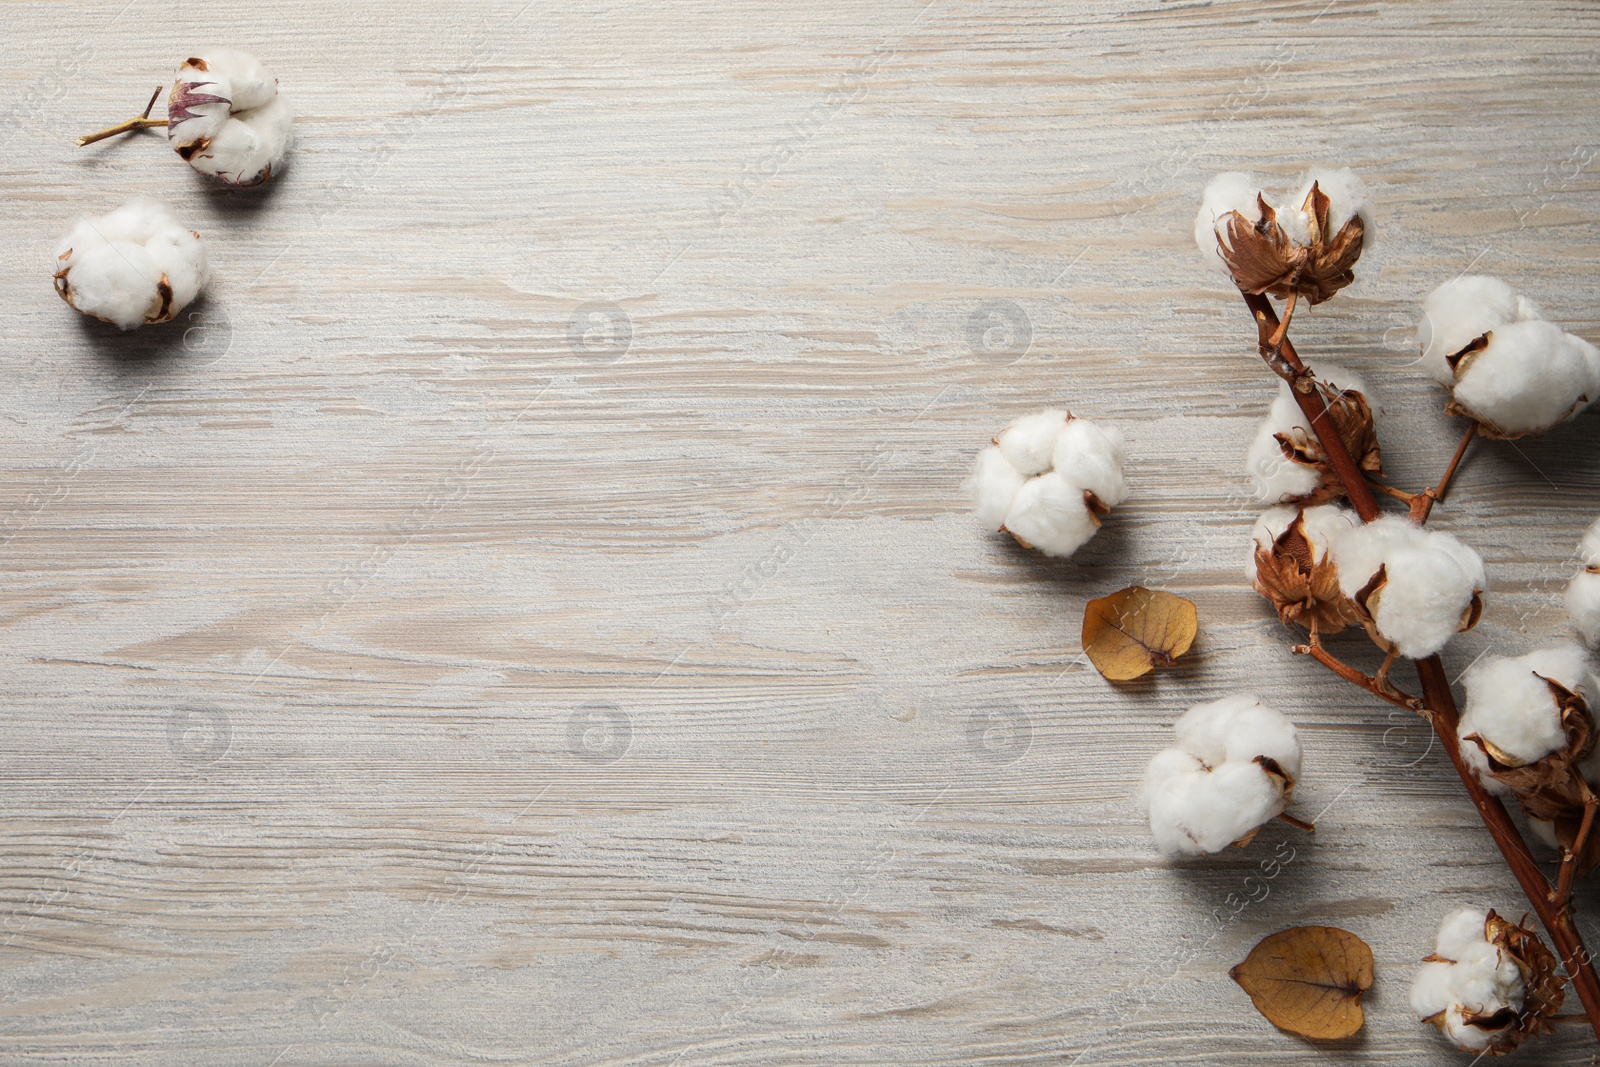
column 528, row 615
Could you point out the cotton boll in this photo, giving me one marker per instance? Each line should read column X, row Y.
column 226, row 118
column 1232, row 770
column 1510, row 706
column 1473, row 986
column 1459, row 312
column 1274, row 477
column 1527, row 378
column 1291, row 565
column 1048, row 479
column 1430, row 588
column 1228, row 192
column 135, row 265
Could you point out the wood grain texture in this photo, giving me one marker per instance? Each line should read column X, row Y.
column 529, row 615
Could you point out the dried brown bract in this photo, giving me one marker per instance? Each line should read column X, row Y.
column 1263, row 258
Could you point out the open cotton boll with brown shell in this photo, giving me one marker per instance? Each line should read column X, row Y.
column 1286, row 462
column 136, row 265
column 226, row 117
column 1291, row 564
column 1506, row 367
column 1307, row 246
column 1414, row 588
column 1232, row 770
column 1048, row 479
column 1488, row 983
column 1514, row 712
column 1583, row 594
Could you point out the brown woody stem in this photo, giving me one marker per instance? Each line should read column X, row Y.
column 1422, row 504
column 1569, row 856
column 1377, row 687
column 1439, row 703
column 1298, row 824
column 141, row 122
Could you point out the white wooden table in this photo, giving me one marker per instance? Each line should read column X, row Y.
column 529, row 616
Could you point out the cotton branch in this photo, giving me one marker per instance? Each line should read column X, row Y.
column 1438, row 702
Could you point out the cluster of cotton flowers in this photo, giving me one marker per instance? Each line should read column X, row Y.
column 226, row 118
column 1583, row 594
column 1414, row 588
column 1286, row 462
column 1306, row 246
column 1506, row 367
column 1232, row 771
column 1488, row 983
column 135, row 265
column 1048, row 479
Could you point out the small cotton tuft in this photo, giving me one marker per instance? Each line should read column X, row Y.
column 1431, row 583
column 1215, row 787
column 1047, row 480
column 136, row 265
column 1347, row 199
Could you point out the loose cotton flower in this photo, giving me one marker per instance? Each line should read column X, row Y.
column 1583, row 594
column 1488, row 984
column 1291, row 564
column 1414, row 588
column 1307, row 246
column 1048, row 479
column 226, row 118
column 137, row 264
column 1505, row 366
column 1234, row 767
column 1286, row 462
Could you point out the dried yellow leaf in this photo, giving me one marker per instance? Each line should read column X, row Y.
column 1308, row 980
column 1131, row 632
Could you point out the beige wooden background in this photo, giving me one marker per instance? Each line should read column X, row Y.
column 528, row 615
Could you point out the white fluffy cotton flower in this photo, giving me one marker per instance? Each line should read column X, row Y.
column 137, row 264
column 1505, row 366
column 1471, row 988
column 1510, row 706
column 1232, row 770
column 1583, row 594
column 1047, row 480
column 226, row 118
column 1228, row 192
column 1277, row 458
column 1417, row 587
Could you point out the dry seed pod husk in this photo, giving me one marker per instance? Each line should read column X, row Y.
column 1294, row 568
column 1263, row 258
